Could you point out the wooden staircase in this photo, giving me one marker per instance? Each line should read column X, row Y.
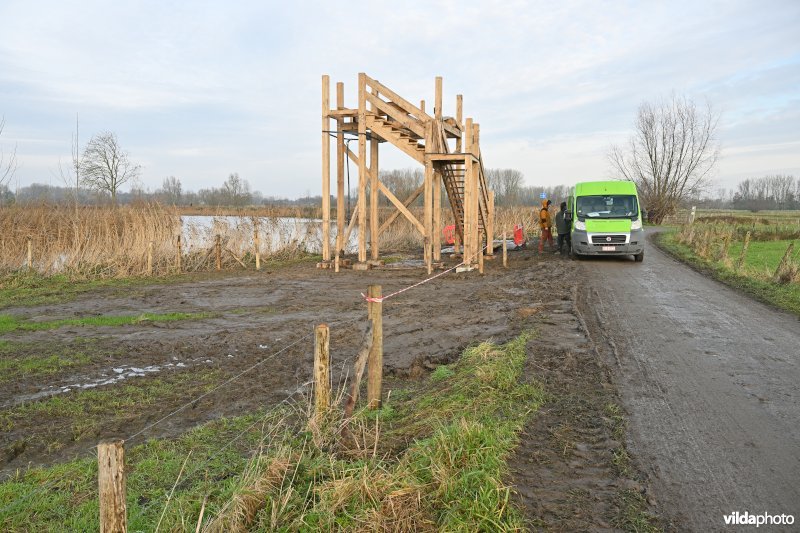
column 383, row 116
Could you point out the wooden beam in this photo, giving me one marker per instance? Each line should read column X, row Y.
column 362, row 167
column 428, row 199
column 459, row 120
column 437, row 216
column 374, row 198
column 405, row 121
column 387, row 133
column 326, row 170
column 470, row 227
column 353, row 217
column 401, row 208
column 398, row 100
column 490, row 225
column 340, row 214
column 437, row 106
column 410, row 200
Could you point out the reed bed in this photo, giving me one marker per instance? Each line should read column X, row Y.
column 88, row 241
column 115, row 242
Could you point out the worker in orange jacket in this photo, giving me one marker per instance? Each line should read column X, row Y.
column 546, row 225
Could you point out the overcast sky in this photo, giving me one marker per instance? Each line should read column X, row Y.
column 200, row 89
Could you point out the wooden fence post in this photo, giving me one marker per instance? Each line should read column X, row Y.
column 322, row 370
column 505, row 251
column 218, row 249
column 255, row 244
column 178, row 256
column 785, row 261
column 375, row 376
column 111, row 486
column 150, row 258
column 745, row 245
column 30, row 253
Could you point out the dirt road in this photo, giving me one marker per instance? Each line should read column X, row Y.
column 711, row 380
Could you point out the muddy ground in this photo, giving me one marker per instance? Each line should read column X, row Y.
column 565, row 468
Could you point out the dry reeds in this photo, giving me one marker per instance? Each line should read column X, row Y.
column 88, row 241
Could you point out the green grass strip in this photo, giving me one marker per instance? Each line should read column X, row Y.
column 10, row 323
column 440, row 464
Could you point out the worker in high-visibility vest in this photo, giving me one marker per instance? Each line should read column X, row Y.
column 546, row 226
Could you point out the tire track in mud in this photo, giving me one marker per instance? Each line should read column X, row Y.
column 710, row 379
column 571, row 471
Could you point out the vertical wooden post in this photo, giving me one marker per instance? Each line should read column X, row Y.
column 375, row 372
column 150, row 258
column 218, row 251
column 374, row 199
column 336, row 261
column 742, row 255
column 476, row 192
column 456, row 243
column 322, row 370
column 30, row 253
column 428, row 199
column 178, row 255
column 326, row 170
column 257, row 248
column 784, row 262
column 505, row 251
column 340, row 156
column 459, row 118
column 111, row 486
column 490, row 225
column 436, row 229
column 362, row 167
column 469, row 228
column 437, row 106
column 422, row 105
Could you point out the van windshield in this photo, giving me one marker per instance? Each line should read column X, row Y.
column 613, row 206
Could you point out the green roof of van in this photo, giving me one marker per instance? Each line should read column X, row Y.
column 599, row 188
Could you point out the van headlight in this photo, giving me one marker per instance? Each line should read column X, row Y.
column 636, row 224
column 580, row 224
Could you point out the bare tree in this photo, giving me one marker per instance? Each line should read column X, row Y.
column 105, row 166
column 8, row 162
column 171, row 190
column 670, row 155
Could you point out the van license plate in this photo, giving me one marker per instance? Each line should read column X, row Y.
column 609, row 248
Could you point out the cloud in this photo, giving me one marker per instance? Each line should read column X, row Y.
column 202, row 89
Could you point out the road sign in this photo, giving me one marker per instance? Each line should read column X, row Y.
column 543, row 195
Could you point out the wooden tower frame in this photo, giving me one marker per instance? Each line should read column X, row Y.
column 384, row 116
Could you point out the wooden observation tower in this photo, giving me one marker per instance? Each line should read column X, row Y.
column 448, row 148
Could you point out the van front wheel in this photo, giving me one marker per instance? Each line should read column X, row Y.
column 639, row 257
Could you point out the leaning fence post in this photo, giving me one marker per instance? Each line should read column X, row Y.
column 745, row 245
column 784, row 261
column 111, row 486
column 30, row 253
column 375, row 376
column 322, row 369
column 255, row 244
column 218, row 250
column 150, row 258
column 505, row 251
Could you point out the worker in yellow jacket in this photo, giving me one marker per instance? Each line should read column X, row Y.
column 546, row 225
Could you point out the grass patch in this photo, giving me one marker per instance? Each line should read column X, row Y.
column 753, row 279
column 438, row 463
column 10, row 323
column 29, row 359
column 85, row 410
